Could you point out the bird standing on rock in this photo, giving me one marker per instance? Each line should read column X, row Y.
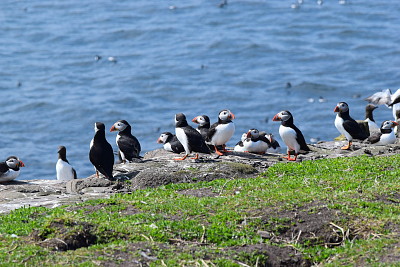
column 190, row 138
column 9, row 169
column 101, row 154
column 386, row 135
column 369, row 118
column 63, row 168
column 222, row 131
column 170, row 142
column 128, row 145
column 347, row 125
column 290, row 134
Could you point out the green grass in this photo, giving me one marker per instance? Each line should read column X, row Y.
column 363, row 190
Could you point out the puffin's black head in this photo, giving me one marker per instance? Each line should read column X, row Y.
column 119, row 126
column 253, row 133
column 180, row 120
column 225, row 115
column 341, row 107
column 283, row 116
column 99, row 126
column 14, row 163
column 164, row 137
column 201, row 120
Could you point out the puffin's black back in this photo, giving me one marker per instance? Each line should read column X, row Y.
column 195, row 140
column 101, row 154
column 128, row 143
column 352, row 127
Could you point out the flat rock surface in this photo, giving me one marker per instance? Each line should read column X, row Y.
column 158, row 168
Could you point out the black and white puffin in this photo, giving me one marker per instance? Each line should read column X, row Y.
column 170, row 142
column 239, row 147
column 204, row 125
column 369, row 118
column 101, row 154
column 386, row 136
column 190, row 138
column 290, row 134
column 9, row 169
column 275, row 147
column 128, row 145
column 346, row 125
column 222, row 131
column 256, row 142
column 63, row 168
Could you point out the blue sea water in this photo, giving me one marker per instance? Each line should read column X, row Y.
column 183, row 56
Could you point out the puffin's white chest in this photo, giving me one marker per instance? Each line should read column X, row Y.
column 255, row 147
column 223, row 134
column 387, row 139
column 64, row 170
column 289, row 136
column 182, row 137
column 339, row 126
column 167, row 146
column 9, row 175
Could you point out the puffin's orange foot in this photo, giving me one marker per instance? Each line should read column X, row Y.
column 346, row 147
column 183, row 158
column 292, row 159
column 218, row 152
column 197, row 157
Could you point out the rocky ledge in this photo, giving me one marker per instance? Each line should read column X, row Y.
column 158, row 168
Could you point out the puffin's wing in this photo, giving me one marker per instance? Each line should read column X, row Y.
column 374, row 138
column 395, row 98
column 176, row 146
column 380, row 98
column 264, row 139
column 212, row 131
column 352, row 127
column 129, row 145
column 240, row 143
column 196, row 141
column 3, row 167
column 74, row 172
column 300, row 139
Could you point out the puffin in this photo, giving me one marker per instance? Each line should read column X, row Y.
column 63, row 168
column 128, row 145
column 9, row 169
column 221, row 131
column 256, row 142
column 369, row 118
column 275, row 147
column 385, row 136
column 204, row 125
column 347, row 126
column 385, row 97
column 101, row 154
column 190, row 138
column 170, row 142
column 239, row 147
column 290, row 134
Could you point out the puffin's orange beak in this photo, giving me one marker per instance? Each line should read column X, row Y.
column 112, row 129
column 159, row 141
column 276, row 118
column 195, row 119
column 394, row 123
column 21, row 164
column 232, row 116
column 336, row 109
column 248, row 135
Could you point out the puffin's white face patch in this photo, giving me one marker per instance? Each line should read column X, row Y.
column 120, row 126
column 284, row 116
column 223, row 115
column 163, row 138
column 12, row 163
